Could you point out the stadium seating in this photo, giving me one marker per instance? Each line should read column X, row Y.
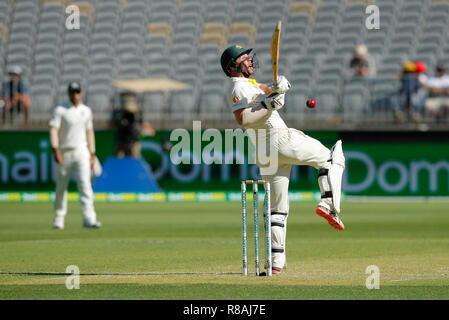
column 183, row 39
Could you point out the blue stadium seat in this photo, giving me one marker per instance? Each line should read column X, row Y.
column 99, row 98
column 355, row 101
column 184, row 104
column 155, row 103
column 315, row 47
column 212, row 101
column 42, row 98
column 328, row 100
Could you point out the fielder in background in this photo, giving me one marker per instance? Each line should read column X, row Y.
column 255, row 106
column 73, row 142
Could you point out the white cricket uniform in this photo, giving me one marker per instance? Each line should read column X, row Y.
column 292, row 147
column 72, row 123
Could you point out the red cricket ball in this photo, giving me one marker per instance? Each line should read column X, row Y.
column 311, row 103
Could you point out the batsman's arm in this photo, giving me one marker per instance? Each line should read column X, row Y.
column 248, row 116
column 266, row 88
column 282, row 86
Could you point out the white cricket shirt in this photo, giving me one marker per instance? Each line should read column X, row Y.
column 246, row 93
column 72, row 123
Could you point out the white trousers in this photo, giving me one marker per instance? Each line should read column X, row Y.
column 75, row 161
column 295, row 148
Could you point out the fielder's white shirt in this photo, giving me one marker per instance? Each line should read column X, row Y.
column 72, row 123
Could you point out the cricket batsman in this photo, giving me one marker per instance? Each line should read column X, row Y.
column 73, row 142
column 255, row 107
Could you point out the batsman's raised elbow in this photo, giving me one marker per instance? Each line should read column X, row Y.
column 238, row 114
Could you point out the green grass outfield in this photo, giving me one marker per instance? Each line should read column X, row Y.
column 193, row 251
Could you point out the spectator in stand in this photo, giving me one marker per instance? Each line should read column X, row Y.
column 15, row 96
column 362, row 65
column 437, row 101
column 419, row 98
column 403, row 101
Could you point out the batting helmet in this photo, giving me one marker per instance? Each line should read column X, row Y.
column 74, row 87
column 229, row 56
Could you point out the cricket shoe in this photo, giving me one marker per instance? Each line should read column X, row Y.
column 58, row 226
column 58, row 223
column 94, row 225
column 276, row 271
column 331, row 217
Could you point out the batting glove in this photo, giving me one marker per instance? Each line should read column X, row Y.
column 282, row 85
column 274, row 101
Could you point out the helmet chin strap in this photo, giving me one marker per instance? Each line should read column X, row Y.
column 246, row 74
column 239, row 70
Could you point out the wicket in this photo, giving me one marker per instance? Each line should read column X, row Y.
column 267, row 226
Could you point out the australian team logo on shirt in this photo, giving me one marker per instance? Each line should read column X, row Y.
column 236, row 99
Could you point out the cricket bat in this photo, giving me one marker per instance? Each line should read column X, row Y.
column 275, row 41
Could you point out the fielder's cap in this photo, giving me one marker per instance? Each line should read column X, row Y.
column 420, row 66
column 15, row 70
column 230, row 55
column 74, row 87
